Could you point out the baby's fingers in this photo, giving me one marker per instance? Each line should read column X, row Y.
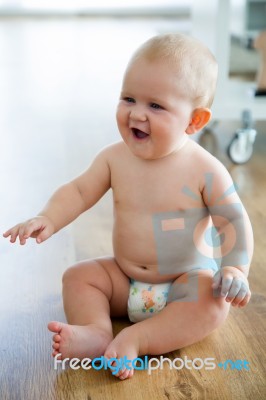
column 245, row 301
column 243, row 294
column 226, row 285
column 22, row 235
column 216, row 280
column 239, row 293
column 13, row 233
column 7, row 233
column 234, row 289
column 44, row 234
column 29, row 228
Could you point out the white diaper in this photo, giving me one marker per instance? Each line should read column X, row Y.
column 146, row 299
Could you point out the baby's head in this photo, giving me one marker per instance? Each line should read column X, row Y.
column 166, row 93
column 190, row 62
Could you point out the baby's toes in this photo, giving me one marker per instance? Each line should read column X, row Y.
column 125, row 374
column 56, row 338
column 55, row 326
column 54, row 353
column 55, row 346
column 120, row 372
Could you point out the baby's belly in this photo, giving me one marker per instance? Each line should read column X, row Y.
column 148, row 253
column 143, row 272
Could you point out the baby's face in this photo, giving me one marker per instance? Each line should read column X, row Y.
column 154, row 110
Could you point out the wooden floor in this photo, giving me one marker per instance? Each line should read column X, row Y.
column 58, row 91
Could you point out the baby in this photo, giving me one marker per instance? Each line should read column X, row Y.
column 182, row 239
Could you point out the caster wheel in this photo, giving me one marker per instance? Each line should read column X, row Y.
column 241, row 147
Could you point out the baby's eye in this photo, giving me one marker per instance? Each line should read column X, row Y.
column 129, row 99
column 156, row 106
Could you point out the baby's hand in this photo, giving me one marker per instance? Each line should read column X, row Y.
column 234, row 286
column 39, row 227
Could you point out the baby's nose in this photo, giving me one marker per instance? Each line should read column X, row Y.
column 138, row 114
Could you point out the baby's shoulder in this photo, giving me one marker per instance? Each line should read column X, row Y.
column 209, row 169
column 205, row 161
column 112, row 151
column 113, row 148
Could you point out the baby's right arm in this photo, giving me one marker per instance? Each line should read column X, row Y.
column 67, row 203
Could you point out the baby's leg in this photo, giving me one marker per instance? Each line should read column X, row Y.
column 181, row 323
column 92, row 290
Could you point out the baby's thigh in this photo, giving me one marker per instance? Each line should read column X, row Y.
column 120, row 286
column 104, row 274
column 193, row 286
column 194, row 290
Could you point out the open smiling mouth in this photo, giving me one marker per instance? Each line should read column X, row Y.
column 139, row 134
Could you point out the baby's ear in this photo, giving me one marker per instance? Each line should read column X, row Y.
column 200, row 118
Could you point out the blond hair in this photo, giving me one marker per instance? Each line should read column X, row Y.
column 189, row 59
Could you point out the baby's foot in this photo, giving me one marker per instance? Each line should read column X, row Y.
column 125, row 344
column 88, row 341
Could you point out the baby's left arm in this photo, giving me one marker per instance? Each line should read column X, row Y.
column 235, row 233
